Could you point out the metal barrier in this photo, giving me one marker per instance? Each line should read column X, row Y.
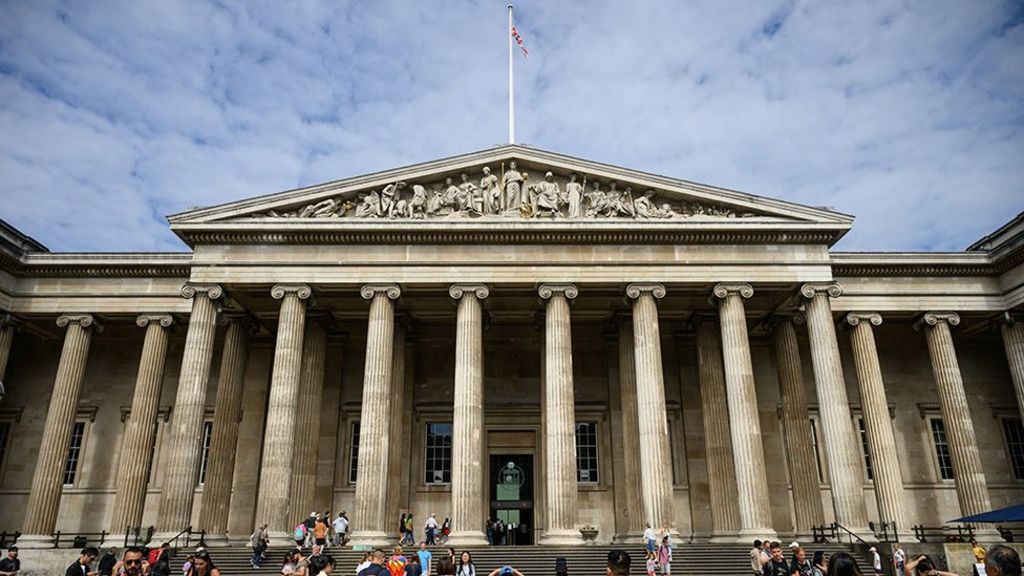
column 8, row 539
column 1011, row 533
column 137, row 536
column 190, row 538
column 79, row 539
column 824, row 533
column 959, row 533
column 885, row 531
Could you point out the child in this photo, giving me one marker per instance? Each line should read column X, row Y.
column 652, row 564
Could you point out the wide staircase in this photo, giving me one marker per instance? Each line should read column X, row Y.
column 688, row 559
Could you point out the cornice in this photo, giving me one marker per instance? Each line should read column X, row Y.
column 890, row 264
column 99, row 265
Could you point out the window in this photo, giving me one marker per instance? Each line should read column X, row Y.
column 353, row 455
column 864, row 448
column 74, row 454
column 5, row 434
column 203, row 464
column 817, row 453
column 1013, row 429
column 438, row 459
column 945, row 459
column 586, row 452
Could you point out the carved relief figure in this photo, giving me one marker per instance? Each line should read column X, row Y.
column 417, row 206
column 370, row 205
column 644, row 206
column 513, row 183
column 491, row 192
column 574, row 197
column 547, row 197
column 470, row 198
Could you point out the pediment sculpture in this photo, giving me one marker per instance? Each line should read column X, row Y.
column 512, row 194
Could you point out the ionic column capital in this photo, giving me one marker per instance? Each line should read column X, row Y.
column 936, row 318
column 546, row 291
column 723, row 290
column 7, row 320
column 634, row 291
column 303, row 291
column 776, row 320
column 812, row 289
column 82, row 319
column 211, row 291
column 457, row 291
column 392, row 291
column 164, row 320
column 1007, row 318
column 248, row 323
column 855, row 318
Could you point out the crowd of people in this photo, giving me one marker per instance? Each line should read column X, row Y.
column 767, row 559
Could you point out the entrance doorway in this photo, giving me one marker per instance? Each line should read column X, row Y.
column 512, row 497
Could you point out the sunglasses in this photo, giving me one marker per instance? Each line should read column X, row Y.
column 131, row 562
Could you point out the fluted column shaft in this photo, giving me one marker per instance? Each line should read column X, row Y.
column 1013, row 341
column 397, row 425
column 744, row 420
column 656, row 471
column 468, row 436
column 220, row 470
column 881, row 438
column 136, row 448
column 803, row 470
column 307, row 420
column 559, row 418
column 722, row 490
column 181, row 470
column 845, row 474
column 630, row 428
column 372, row 476
column 279, row 434
column 971, row 487
column 47, row 480
column 7, row 328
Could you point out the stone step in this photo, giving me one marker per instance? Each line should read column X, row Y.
column 688, row 559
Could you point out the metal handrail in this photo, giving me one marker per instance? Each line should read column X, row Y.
column 134, row 536
column 885, row 531
column 960, row 533
column 821, row 534
column 79, row 539
column 173, row 541
column 8, row 539
column 848, row 531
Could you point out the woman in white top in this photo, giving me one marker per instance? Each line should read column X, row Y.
column 466, row 567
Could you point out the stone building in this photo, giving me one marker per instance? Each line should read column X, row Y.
column 554, row 341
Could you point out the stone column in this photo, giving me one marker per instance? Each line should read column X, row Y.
column 630, row 433
column 302, row 495
column 48, row 480
column 372, row 476
column 185, row 443
column 971, row 487
column 744, row 420
column 722, row 490
column 220, row 470
column 559, row 416
column 137, row 446
column 395, row 432
column 846, row 476
column 1013, row 341
column 656, row 468
column 279, row 433
column 7, row 327
column 803, row 471
column 881, row 438
column 469, row 435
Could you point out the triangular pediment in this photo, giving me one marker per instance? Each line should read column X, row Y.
column 511, row 186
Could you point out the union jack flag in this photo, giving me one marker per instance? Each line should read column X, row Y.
column 519, row 41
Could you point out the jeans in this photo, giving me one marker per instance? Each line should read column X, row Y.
column 257, row 555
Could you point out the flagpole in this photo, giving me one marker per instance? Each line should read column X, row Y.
column 511, row 85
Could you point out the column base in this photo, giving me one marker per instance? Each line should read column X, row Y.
column 462, row 538
column 749, row 535
column 35, row 541
column 369, row 539
column 628, row 537
column 982, row 535
column 217, row 540
column 561, row 538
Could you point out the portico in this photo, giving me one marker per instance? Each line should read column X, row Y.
column 635, row 361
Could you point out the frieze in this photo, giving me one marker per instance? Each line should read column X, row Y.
column 509, row 193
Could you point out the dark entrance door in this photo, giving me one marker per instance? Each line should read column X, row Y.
column 512, row 496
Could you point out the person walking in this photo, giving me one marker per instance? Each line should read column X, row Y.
column 665, row 556
column 819, row 566
column 340, row 529
column 777, row 565
column 446, row 529
column 430, row 528
column 80, row 567
column 425, row 558
column 401, row 530
column 320, row 531
column 466, row 567
column 107, row 562
column 259, row 541
column 308, row 533
column 410, row 532
column 650, row 539
column 299, row 534
column 899, row 559
column 800, row 564
column 396, row 565
column 412, row 567
column 755, row 558
column 876, row 560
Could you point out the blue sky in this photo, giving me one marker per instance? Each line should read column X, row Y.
column 908, row 115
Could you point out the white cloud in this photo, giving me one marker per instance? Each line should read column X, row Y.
column 908, row 115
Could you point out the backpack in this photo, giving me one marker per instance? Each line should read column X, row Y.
column 300, row 531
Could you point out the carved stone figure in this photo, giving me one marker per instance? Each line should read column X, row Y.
column 470, row 198
column 547, row 197
column 644, row 206
column 369, row 206
column 513, row 183
column 389, row 199
column 574, row 197
column 417, row 206
column 491, row 192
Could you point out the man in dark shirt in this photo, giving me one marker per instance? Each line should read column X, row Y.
column 776, row 565
column 80, row 567
column 107, row 563
column 10, row 565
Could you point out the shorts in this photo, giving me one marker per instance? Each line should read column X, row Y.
column 666, row 569
column 650, row 545
column 321, row 541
